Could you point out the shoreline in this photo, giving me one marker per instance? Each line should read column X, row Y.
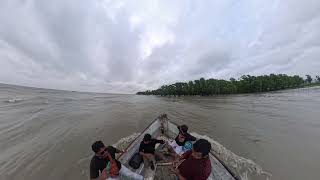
column 198, row 95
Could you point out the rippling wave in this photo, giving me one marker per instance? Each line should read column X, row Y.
column 47, row 134
column 125, row 141
column 15, row 100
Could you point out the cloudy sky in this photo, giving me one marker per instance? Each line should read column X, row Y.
column 122, row 46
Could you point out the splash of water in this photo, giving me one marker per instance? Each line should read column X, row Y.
column 15, row 100
column 125, row 141
column 243, row 168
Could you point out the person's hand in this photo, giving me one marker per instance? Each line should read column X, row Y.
column 175, row 163
column 103, row 175
column 176, row 157
column 106, row 154
column 174, row 170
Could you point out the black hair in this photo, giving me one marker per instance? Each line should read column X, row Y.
column 147, row 137
column 96, row 146
column 183, row 128
column 203, row 146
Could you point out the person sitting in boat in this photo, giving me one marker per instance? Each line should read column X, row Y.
column 183, row 141
column 147, row 150
column 194, row 164
column 104, row 166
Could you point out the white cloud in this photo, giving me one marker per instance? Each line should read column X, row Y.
column 125, row 46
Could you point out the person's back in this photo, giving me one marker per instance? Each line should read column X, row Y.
column 196, row 164
column 195, row 169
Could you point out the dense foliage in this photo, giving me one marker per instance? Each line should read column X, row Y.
column 246, row 84
column 318, row 79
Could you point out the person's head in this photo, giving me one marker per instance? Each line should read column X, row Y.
column 183, row 129
column 99, row 149
column 201, row 149
column 147, row 138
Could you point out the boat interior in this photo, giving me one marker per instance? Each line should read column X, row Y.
column 163, row 129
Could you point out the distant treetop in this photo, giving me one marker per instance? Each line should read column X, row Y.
column 245, row 84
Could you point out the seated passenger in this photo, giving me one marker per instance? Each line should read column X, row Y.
column 147, row 150
column 103, row 164
column 195, row 164
column 182, row 142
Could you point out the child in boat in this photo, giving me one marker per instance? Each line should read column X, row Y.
column 182, row 143
column 147, row 150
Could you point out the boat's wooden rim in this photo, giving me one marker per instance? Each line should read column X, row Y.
column 125, row 150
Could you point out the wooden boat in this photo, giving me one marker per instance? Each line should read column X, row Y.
column 162, row 128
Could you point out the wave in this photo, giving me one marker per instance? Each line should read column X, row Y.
column 16, row 100
column 244, row 168
column 125, row 141
column 68, row 99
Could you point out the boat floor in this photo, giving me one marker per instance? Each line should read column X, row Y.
column 160, row 172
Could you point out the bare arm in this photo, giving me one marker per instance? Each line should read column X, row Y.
column 119, row 151
column 160, row 141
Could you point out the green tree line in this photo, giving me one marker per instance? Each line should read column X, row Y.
column 245, row 84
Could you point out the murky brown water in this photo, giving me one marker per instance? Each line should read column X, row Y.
column 47, row 134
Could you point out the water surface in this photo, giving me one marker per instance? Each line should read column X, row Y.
column 47, row 134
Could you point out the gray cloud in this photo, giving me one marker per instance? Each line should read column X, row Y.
column 124, row 46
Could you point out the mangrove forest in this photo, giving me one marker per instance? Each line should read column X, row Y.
column 245, row 84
